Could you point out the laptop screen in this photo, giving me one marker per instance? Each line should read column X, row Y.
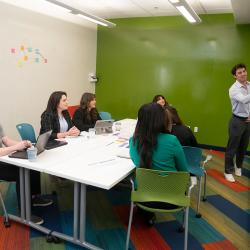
column 103, row 126
column 42, row 141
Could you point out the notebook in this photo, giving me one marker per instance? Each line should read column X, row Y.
column 103, row 126
column 40, row 145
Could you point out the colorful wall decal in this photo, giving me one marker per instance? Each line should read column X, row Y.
column 27, row 55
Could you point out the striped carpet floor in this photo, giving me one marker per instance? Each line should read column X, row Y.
column 225, row 221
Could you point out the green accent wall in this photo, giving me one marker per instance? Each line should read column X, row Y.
column 188, row 64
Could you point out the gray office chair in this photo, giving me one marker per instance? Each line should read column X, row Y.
column 6, row 221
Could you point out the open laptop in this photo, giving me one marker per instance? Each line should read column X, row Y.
column 40, row 145
column 103, row 126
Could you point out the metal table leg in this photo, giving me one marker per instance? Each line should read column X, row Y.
column 82, row 212
column 22, row 193
column 76, row 210
column 27, row 194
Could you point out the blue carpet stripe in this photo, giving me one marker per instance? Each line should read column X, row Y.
column 238, row 215
column 50, row 215
column 169, row 232
column 246, row 172
column 119, row 196
column 67, row 228
column 200, row 229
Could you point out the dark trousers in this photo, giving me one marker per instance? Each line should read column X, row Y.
column 239, row 132
column 11, row 173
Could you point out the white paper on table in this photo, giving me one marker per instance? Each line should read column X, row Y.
column 123, row 153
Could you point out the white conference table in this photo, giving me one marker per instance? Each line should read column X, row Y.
column 85, row 161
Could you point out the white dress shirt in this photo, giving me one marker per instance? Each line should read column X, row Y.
column 240, row 99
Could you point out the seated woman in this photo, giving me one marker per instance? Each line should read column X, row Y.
column 10, row 172
column 86, row 115
column 152, row 146
column 182, row 132
column 56, row 117
column 160, row 99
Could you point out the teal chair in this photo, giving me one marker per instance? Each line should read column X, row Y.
column 6, row 217
column 163, row 192
column 105, row 115
column 26, row 132
column 196, row 166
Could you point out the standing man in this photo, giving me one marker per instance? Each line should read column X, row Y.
column 239, row 126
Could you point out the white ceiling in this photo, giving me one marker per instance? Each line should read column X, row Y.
column 130, row 8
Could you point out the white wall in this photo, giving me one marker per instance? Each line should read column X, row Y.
column 24, row 91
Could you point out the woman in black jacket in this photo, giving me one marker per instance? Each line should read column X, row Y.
column 181, row 131
column 56, row 117
column 86, row 115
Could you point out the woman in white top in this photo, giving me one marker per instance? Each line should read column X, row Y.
column 56, row 117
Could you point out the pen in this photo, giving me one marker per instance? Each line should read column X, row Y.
column 100, row 162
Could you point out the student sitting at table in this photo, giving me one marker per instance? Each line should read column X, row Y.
column 160, row 99
column 152, row 146
column 10, row 172
column 182, row 132
column 56, row 117
column 86, row 115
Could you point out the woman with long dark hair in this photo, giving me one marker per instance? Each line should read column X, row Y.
column 86, row 115
column 160, row 99
column 152, row 145
column 181, row 131
column 56, row 117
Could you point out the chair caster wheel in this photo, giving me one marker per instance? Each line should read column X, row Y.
column 181, row 229
column 6, row 223
column 198, row 215
column 56, row 240
column 49, row 238
column 54, row 193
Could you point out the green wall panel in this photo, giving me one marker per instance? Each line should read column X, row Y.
column 189, row 64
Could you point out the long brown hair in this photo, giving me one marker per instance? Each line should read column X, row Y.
column 54, row 101
column 174, row 115
column 152, row 120
column 158, row 97
column 84, row 104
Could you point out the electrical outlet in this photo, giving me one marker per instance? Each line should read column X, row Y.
column 195, row 129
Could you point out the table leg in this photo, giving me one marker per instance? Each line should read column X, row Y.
column 22, row 193
column 27, row 194
column 82, row 212
column 76, row 210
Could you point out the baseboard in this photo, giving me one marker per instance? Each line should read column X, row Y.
column 222, row 149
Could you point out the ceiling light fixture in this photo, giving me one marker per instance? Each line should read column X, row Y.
column 92, row 19
column 186, row 10
column 82, row 14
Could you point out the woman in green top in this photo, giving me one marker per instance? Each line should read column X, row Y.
column 152, row 146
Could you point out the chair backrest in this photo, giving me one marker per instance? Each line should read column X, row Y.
column 26, row 132
column 72, row 109
column 161, row 186
column 105, row 115
column 193, row 155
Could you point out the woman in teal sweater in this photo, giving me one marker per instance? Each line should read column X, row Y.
column 152, row 146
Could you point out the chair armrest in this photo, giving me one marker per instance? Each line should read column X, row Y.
column 132, row 184
column 193, row 182
column 208, row 158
